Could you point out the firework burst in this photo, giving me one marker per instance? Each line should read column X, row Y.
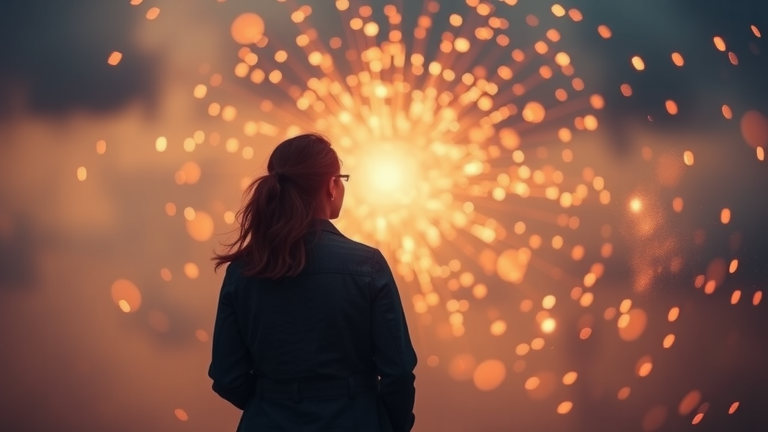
column 450, row 131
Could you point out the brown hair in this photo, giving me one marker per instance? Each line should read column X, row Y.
column 281, row 206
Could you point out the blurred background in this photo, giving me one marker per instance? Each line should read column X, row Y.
column 573, row 196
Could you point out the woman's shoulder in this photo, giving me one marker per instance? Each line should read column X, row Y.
column 341, row 252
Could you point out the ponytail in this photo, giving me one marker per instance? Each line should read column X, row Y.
column 274, row 222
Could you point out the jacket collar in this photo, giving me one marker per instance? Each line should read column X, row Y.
column 326, row 225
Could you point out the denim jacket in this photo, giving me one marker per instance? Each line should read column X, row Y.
column 284, row 350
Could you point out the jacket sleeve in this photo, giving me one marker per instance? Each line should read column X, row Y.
column 231, row 362
column 394, row 355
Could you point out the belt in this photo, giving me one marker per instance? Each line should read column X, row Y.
column 299, row 390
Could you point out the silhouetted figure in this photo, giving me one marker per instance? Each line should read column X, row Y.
column 310, row 332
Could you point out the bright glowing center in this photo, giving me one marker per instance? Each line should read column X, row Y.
column 386, row 176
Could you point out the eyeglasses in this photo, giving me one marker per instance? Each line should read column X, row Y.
column 344, row 177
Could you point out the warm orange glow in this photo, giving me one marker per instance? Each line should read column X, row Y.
column 677, row 59
column 181, row 414
column 597, row 101
column 638, row 63
column 689, row 403
column 534, row 112
column 153, row 13
column 677, row 204
column 201, row 227
column 214, row 109
column 126, row 295
column 200, row 91
column 166, row 275
column 191, row 270
column 526, row 305
column 575, row 15
column 754, row 128
column 101, row 147
column 522, row 349
column 570, row 378
column 590, row 122
column 342, row 5
column 548, row 302
column 564, row 407
column 489, row 375
column 548, row 325
column 727, row 113
column 725, row 216
column 247, row 28
column 733, row 266
column 170, row 209
column 201, row 335
column 480, row 291
column 719, row 43
column 498, row 327
column 623, row 393
column 688, row 157
column 632, row 324
column 562, row 59
column 228, row 113
column 394, row 93
column 732, row 409
column 644, row 366
column 371, row 29
column 673, row 314
column 604, row 31
column 735, row 296
column 710, row 286
column 537, row 343
column 115, row 58
column 668, row 340
column 625, row 306
column 531, row 383
column 671, row 107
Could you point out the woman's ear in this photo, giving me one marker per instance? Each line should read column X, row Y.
column 332, row 187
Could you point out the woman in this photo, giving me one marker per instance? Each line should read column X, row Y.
column 310, row 333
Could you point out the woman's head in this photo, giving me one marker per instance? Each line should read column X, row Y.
column 303, row 182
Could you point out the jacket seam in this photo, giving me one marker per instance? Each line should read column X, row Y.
column 398, row 348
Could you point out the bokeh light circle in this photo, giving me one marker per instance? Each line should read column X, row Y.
column 489, row 374
column 126, row 295
column 247, row 28
column 201, row 227
column 754, row 128
column 637, row 320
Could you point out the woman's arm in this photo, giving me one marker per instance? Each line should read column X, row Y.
column 231, row 362
column 394, row 355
